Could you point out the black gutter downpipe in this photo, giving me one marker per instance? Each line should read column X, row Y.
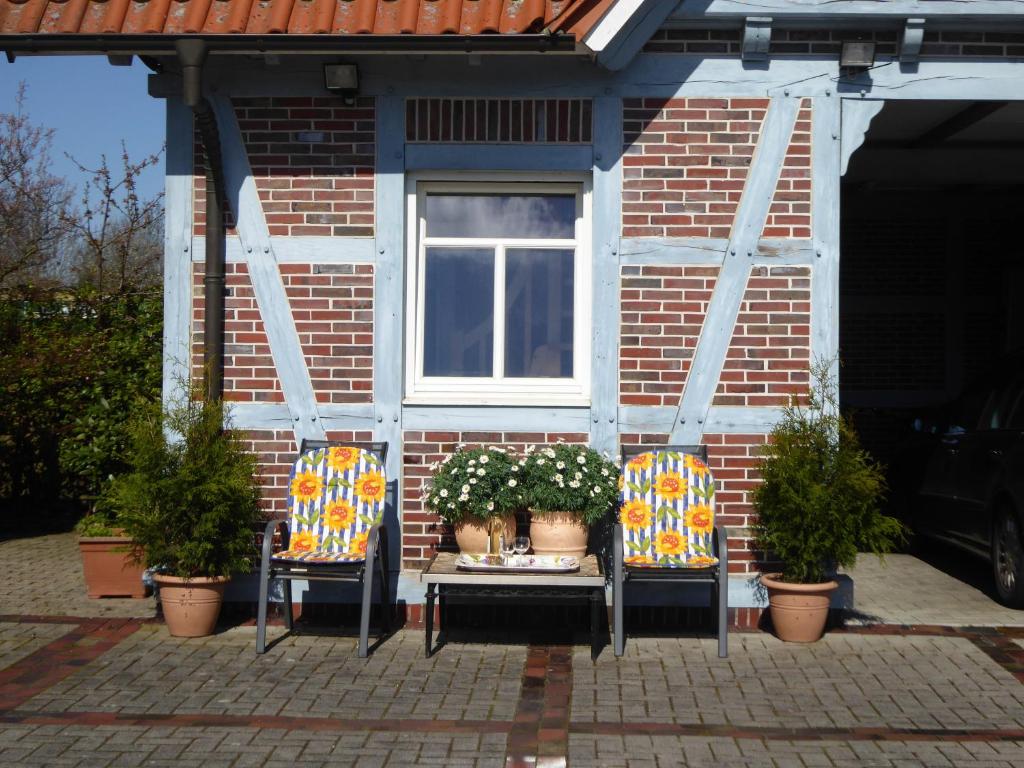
column 192, row 53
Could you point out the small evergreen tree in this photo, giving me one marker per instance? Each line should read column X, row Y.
column 190, row 500
column 818, row 502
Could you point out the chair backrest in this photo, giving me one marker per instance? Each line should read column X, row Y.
column 668, row 509
column 335, row 493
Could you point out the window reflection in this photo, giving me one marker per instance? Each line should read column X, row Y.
column 538, row 313
column 458, row 312
column 548, row 216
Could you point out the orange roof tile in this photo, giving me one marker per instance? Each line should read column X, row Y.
column 298, row 17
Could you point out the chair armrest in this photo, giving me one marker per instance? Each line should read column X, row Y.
column 720, row 538
column 268, row 539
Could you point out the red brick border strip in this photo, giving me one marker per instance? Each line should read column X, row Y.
column 61, row 658
column 539, row 737
column 277, row 722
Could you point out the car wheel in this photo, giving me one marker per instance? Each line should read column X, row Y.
column 1008, row 558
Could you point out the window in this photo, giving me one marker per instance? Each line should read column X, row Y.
column 500, row 294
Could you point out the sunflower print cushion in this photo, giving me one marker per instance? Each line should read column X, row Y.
column 667, row 511
column 334, row 495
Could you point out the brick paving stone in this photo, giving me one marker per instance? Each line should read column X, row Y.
column 19, row 640
column 843, row 681
column 302, row 676
column 588, row 751
column 46, row 577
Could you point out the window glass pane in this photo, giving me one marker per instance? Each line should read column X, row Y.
column 501, row 216
column 538, row 313
column 458, row 316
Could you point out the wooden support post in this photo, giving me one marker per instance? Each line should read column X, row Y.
column 826, row 160
column 607, row 209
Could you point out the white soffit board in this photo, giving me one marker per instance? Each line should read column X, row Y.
column 611, row 24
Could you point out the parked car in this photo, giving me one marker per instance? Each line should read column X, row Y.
column 971, row 491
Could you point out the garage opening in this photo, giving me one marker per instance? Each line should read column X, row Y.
column 932, row 270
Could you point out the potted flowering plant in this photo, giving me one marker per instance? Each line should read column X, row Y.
column 474, row 490
column 568, row 489
column 107, row 562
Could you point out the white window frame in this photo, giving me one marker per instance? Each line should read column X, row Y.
column 494, row 390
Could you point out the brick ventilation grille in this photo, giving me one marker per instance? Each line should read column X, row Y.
column 662, row 313
column 685, row 162
column 790, row 212
column 769, row 353
column 728, row 42
column 733, row 460
column 423, row 532
column 276, row 450
column 332, row 306
column 516, row 121
column 313, row 163
column 249, row 372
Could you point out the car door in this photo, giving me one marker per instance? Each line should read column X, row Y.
column 981, row 467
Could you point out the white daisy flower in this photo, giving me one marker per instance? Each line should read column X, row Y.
column 540, row 462
column 574, row 483
column 581, row 459
column 484, row 459
column 560, row 465
column 464, row 489
column 481, row 472
column 472, row 481
column 512, row 483
column 490, row 506
column 444, row 493
column 597, row 489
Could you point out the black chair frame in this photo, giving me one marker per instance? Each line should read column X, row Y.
column 376, row 564
column 717, row 576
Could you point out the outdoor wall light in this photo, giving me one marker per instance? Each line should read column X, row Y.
column 857, row 54
column 343, row 80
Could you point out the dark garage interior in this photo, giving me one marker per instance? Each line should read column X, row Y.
column 932, row 267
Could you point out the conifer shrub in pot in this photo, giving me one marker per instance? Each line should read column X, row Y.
column 477, row 492
column 817, row 507
column 189, row 502
column 568, row 489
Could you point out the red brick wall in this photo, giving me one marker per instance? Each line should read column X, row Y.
column 662, row 312
column 422, row 530
column 733, row 461
column 249, row 372
column 770, row 348
column 685, row 164
column 276, row 450
column 332, row 305
column 790, row 211
column 309, row 185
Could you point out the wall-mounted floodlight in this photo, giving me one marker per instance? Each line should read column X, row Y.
column 857, row 54
column 343, row 80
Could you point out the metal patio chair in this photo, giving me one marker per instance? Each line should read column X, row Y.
column 334, row 531
column 667, row 531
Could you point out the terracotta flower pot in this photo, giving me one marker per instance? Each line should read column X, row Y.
column 108, row 567
column 191, row 606
column 799, row 611
column 471, row 535
column 558, row 533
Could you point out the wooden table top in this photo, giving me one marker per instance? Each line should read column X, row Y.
column 442, row 570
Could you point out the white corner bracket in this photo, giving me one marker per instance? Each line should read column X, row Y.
column 757, row 35
column 910, row 44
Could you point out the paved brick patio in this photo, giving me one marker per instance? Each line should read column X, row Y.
column 98, row 683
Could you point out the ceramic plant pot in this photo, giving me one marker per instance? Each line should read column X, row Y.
column 472, row 537
column 558, row 533
column 191, row 606
column 799, row 611
column 108, row 568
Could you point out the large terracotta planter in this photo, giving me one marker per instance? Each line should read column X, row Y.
column 558, row 533
column 108, row 568
column 191, row 607
column 799, row 611
column 472, row 537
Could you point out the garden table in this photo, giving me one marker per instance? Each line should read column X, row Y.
column 445, row 581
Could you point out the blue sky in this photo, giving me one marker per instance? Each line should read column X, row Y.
column 91, row 106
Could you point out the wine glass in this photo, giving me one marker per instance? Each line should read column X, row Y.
column 520, row 545
column 507, row 548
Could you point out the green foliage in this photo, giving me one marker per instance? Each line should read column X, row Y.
column 190, row 503
column 475, row 482
column 97, row 524
column 571, row 478
column 818, row 504
column 72, row 365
